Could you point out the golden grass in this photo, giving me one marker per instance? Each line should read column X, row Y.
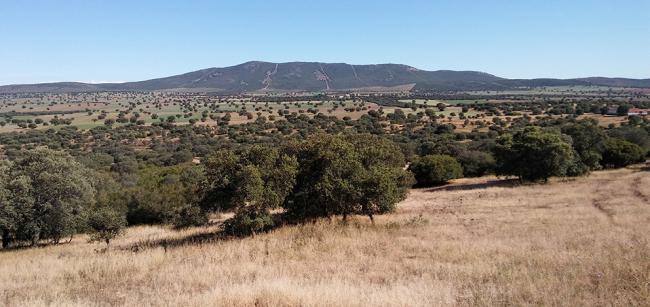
column 475, row 242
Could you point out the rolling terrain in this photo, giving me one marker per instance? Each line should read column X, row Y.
column 479, row 241
column 262, row 77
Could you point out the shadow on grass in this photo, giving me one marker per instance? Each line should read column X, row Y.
column 642, row 167
column 209, row 237
column 17, row 247
column 646, row 167
column 196, row 239
column 220, row 234
column 474, row 186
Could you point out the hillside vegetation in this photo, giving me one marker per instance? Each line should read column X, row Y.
column 479, row 241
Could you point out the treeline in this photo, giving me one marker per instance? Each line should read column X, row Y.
column 47, row 196
column 532, row 153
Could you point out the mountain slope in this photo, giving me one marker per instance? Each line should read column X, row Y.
column 301, row 76
column 314, row 76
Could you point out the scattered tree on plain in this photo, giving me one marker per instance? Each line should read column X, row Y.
column 533, row 154
column 434, row 170
column 620, row 153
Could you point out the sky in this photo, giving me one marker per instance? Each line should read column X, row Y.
column 116, row 41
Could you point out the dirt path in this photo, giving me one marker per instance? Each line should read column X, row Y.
column 637, row 186
column 600, row 206
column 354, row 71
column 325, row 77
column 267, row 81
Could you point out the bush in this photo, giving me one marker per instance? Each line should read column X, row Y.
column 623, row 109
column 161, row 192
column 248, row 221
column 435, row 170
column 105, row 224
column 588, row 141
column 476, row 163
column 619, row 153
column 636, row 135
column 533, row 154
column 190, row 215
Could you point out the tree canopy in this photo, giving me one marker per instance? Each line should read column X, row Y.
column 619, row 153
column 45, row 196
column 534, row 154
column 345, row 176
column 433, row 170
column 251, row 182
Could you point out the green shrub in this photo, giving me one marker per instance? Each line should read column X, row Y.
column 476, row 163
column 190, row 215
column 534, row 154
column 161, row 192
column 619, row 153
column 588, row 141
column 105, row 224
column 435, row 170
column 248, row 221
column 637, row 135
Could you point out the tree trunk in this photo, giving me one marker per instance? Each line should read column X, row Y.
column 368, row 212
column 5, row 239
column 164, row 245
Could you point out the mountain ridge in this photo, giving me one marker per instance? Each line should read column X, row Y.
column 260, row 76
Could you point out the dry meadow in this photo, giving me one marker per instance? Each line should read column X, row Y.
column 478, row 241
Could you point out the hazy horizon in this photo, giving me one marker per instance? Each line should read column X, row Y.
column 119, row 41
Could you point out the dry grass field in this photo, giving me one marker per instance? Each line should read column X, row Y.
column 77, row 110
column 486, row 242
column 605, row 120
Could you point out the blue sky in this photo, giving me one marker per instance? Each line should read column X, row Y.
column 95, row 41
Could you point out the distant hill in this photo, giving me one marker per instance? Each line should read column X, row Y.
column 313, row 76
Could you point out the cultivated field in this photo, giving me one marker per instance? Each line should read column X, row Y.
column 478, row 241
